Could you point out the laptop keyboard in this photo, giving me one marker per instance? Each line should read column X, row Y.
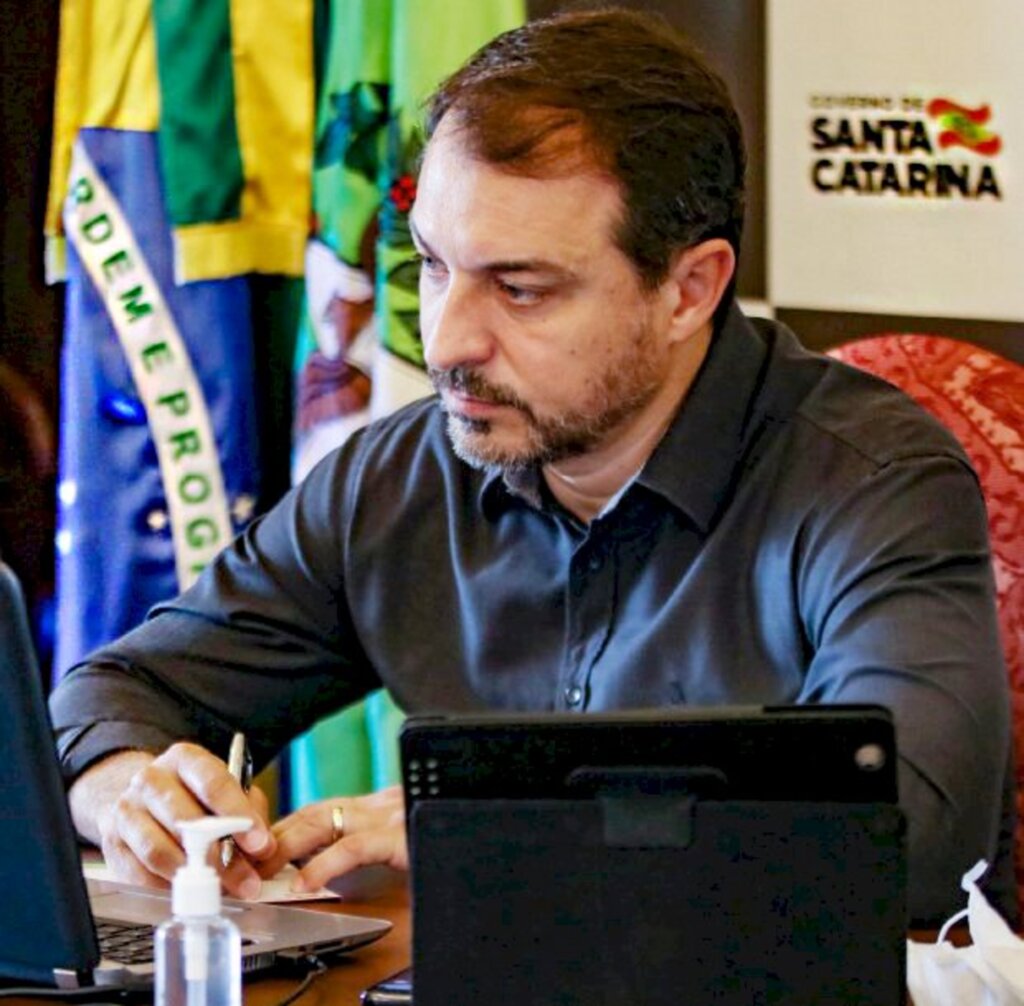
column 125, row 942
column 130, row 942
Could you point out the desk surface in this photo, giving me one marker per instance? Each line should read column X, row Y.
column 350, row 973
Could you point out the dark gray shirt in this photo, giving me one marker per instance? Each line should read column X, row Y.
column 803, row 533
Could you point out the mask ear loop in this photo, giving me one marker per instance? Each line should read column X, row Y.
column 970, row 879
column 950, row 923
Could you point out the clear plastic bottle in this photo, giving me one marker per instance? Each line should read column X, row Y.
column 198, row 951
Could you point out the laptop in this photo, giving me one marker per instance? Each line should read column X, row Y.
column 730, row 855
column 56, row 928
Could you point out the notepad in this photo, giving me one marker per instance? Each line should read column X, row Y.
column 275, row 890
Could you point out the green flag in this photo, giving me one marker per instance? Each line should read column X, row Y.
column 359, row 353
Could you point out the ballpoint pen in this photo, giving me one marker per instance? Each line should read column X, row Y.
column 240, row 767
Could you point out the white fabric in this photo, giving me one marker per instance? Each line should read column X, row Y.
column 989, row 972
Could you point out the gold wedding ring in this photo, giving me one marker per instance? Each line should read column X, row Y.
column 337, row 823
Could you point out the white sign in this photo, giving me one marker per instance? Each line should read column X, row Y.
column 896, row 146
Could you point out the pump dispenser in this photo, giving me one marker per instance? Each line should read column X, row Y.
column 198, row 952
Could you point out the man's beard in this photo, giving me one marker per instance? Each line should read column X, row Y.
column 621, row 390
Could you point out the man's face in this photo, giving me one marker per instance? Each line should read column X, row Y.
column 536, row 330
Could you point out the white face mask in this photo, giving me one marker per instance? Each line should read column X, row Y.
column 990, row 972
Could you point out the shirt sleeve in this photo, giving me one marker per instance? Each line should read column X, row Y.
column 897, row 591
column 262, row 641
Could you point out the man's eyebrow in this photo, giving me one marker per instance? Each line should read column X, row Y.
column 533, row 265
column 537, row 265
column 417, row 237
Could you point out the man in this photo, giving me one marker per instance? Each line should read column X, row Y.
column 625, row 495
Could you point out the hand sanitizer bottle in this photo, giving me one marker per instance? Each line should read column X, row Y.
column 199, row 952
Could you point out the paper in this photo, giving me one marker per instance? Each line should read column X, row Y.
column 277, row 889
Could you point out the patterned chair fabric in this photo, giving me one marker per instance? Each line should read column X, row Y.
column 979, row 396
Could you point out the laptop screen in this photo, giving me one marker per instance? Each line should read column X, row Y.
column 45, row 922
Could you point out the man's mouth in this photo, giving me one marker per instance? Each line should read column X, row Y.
column 466, row 393
column 471, row 406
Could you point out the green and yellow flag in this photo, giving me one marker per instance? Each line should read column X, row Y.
column 228, row 86
column 182, row 150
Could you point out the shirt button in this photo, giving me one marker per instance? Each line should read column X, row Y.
column 594, row 563
column 574, row 695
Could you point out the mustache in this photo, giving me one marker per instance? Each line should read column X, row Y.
column 469, row 382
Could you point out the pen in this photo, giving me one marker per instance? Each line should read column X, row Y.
column 240, row 767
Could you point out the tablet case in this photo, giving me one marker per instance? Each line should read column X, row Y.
column 657, row 901
column 628, row 892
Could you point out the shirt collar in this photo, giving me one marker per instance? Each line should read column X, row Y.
column 695, row 464
column 498, row 490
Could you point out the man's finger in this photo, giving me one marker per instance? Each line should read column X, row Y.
column 161, row 792
column 125, row 866
column 317, row 825
column 219, row 792
column 156, row 849
column 255, row 848
column 259, row 801
column 241, row 879
column 381, row 845
column 304, row 832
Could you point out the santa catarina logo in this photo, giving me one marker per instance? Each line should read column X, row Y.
column 937, row 148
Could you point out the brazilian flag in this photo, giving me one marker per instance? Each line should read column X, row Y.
column 181, row 161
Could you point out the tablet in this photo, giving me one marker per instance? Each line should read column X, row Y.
column 838, row 753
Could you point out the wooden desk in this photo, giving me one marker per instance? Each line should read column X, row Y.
column 349, row 973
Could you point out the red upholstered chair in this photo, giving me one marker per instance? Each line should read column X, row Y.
column 980, row 397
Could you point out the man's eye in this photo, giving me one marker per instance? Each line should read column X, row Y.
column 521, row 296
column 430, row 265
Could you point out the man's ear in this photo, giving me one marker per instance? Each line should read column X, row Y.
column 697, row 281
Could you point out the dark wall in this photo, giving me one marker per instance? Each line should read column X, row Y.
column 731, row 35
column 30, row 312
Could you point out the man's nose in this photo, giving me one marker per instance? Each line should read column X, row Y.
column 454, row 326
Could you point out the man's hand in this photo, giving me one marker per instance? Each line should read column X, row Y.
column 341, row 834
column 129, row 805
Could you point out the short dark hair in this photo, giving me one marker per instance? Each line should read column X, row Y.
column 621, row 91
